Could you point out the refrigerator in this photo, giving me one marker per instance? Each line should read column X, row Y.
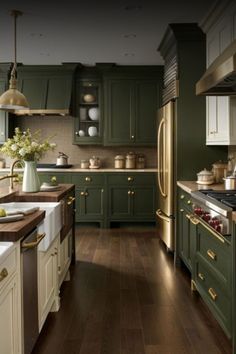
column 165, row 175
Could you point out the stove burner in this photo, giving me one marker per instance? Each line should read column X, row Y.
column 226, row 197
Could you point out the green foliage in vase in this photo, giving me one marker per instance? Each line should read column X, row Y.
column 27, row 146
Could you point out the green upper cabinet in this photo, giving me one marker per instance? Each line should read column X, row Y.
column 88, row 107
column 48, row 88
column 131, row 100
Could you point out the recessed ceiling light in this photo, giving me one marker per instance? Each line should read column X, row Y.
column 133, row 7
column 130, row 35
column 129, row 54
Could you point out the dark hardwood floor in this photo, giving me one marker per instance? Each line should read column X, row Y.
column 125, row 297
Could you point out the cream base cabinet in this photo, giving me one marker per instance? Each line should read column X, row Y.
column 64, row 258
column 10, row 304
column 48, row 291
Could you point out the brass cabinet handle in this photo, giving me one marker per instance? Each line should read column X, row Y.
column 212, row 293
column 70, row 200
column 181, row 210
column 201, row 276
column 194, row 221
column 133, row 193
column 132, row 136
column 88, row 179
column 188, row 216
column 214, row 233
column 189, row 201
column 182, row 196
column 81, row 193
column 34, row 243
column 129, row 192
column 211, row 254
column 130, row 179
column 3, row 274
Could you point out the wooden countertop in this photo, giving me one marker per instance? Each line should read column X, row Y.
column 76, row 168
column 14, row 231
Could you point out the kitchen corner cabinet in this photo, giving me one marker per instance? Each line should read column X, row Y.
column 10, row 303
column 220, row 114
column 90, row 194
column 131, row 197
column 131, row 102
column 186, row 240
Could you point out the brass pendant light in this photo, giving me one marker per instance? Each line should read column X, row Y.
column 13, row 99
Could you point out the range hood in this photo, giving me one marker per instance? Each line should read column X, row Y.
column 48, row 88
column 220, row 78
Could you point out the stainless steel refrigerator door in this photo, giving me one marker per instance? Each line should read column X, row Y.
column 165, row 163
column 165, row 175
column 166, row 229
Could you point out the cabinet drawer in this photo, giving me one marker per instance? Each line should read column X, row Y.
column 215, row 253
column 8, row 267
column 131, row 179
column 88, row 179
column 215, row 295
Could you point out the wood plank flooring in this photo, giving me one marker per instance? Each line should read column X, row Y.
column 125, row 297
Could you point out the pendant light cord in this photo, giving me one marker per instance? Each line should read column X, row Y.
column 15, row 14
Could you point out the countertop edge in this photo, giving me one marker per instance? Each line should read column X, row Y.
column 83, row 170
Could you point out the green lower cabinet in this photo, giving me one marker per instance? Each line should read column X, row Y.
column 131, row 197
column 90, row 204
column 60, row 176
column 186, row 233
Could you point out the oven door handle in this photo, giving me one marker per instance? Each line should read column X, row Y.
column 214, row 233
column 28, row 245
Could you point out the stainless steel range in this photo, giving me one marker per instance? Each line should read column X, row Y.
column 214, row 209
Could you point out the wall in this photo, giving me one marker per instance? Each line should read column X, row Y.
column 61, row 128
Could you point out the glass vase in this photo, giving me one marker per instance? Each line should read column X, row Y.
column 31, row 181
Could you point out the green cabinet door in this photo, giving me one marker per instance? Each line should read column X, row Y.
column 119, row 108
column 89, row 204
column 120, row 202
column 144, row 202
column 147, row 104
column 186, row 231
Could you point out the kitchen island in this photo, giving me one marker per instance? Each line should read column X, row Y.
column 48, row 268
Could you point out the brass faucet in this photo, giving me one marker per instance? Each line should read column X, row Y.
column 12, row 174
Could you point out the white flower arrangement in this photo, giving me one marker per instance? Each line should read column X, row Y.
column 26, row 145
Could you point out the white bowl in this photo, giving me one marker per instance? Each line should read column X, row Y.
column 92, row 131
column 93, row 113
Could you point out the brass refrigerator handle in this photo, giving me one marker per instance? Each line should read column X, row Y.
column 35, row 243
column 161, row 125
column 161, row 215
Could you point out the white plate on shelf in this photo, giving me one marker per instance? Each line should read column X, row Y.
column 11, row 218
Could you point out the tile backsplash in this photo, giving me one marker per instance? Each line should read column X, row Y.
column 61, row 130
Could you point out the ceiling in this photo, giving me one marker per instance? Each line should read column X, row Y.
column 89, row 31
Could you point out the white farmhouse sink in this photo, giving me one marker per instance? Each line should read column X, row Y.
column 51, row 224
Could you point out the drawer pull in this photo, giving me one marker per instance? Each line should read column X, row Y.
column 201, row 276
column 130, row 179
column 70, row 200
column 211, row 254
column 181, row 210
column 194, row 221
column 188, row 216
column 33, row 244
column 88, row 179
column 3, row 274
column 182, row 196
column 212, row 294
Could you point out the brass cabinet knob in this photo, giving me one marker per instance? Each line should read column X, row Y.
column 189, row 202
column 211, row 254
column 70, row 200
column 201, row 276
column 82, row 193
column 129, row 192
column 130, row 179
column 88, row 179
column 132, row 136
column 76, row 133
column 182, row 196
column 181, row 210
column 212, row 294
column 133, row 193
column 3, row 274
